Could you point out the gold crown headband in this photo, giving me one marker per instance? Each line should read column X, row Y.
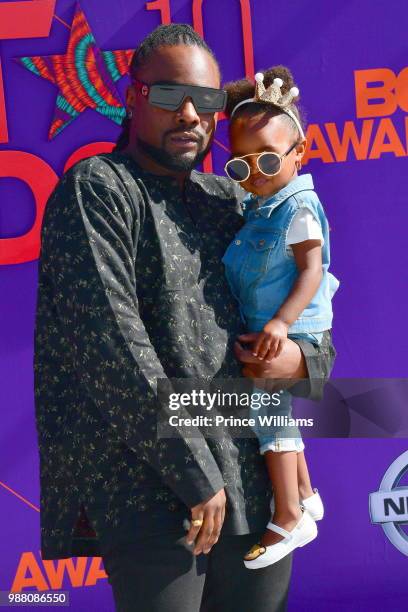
column 273, row 95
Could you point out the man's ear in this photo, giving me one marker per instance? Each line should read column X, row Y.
column 130, row 98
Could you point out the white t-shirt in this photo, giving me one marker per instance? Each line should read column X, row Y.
column 304, row 226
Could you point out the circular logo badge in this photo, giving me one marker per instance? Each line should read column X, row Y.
column 389, row 505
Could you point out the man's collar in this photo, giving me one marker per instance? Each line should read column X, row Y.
column 165, row 178
column 266, row 205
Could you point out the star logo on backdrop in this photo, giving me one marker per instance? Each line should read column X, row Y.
column 85, row 76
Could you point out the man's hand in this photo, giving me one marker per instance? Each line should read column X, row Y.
column 212, row 513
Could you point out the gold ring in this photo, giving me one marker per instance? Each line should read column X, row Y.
column 197, row 522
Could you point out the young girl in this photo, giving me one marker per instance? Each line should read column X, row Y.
column 277, row 267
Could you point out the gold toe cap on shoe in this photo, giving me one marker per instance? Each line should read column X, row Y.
column 256, row 551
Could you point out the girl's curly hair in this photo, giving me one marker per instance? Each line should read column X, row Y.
column 245, row 88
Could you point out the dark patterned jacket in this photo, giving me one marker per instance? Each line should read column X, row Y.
column 131, row 290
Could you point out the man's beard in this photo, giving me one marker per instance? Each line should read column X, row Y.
column 176, row 163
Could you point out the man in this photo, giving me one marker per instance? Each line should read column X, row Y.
column 132, row 290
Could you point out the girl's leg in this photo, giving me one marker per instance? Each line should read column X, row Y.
column 291, row 364
column 304, row 484
column 279, row 445
column 282, row 470
column 283, row 466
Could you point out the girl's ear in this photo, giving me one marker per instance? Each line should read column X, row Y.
column 300, row 149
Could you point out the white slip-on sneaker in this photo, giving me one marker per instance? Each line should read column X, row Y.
column 304, row 532
column 314, row 505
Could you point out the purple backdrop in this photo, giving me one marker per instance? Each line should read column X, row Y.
column 352, row 566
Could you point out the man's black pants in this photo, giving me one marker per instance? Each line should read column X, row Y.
column 159, row 573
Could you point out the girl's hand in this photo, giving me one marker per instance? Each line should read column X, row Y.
column 269, row 342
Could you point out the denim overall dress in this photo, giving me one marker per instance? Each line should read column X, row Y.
column 261, row 273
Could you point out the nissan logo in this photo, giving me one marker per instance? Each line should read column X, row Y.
column 389, row 505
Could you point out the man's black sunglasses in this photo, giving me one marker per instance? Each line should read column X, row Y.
column 171, row 96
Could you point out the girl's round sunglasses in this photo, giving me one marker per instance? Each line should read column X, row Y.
column 268, row 163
